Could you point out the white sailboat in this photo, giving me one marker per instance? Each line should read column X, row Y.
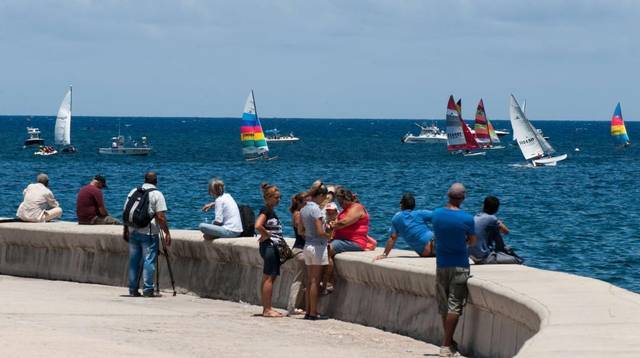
column 62, row 132
column 532, row 144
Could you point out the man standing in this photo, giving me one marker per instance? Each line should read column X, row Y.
column 454, row 230
column 143, row 241
column 90, row 208
column 39, row 204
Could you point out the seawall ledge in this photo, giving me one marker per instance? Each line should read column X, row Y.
column 512, row 309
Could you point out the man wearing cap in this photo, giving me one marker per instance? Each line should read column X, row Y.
column 39, row 204
column 90, row 208
column 454, row 230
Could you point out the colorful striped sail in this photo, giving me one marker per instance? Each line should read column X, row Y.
column 459, row 135
column 254, row 143
column 482, row 126
column 618, row 130
column 492, row 133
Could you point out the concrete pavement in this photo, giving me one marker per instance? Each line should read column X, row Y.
column 41, row 318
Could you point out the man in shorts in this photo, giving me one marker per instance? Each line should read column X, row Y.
column 454, row 230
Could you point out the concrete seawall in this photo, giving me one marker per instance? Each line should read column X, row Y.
column 512, row 309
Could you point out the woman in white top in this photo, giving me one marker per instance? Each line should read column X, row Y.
column 227, row 222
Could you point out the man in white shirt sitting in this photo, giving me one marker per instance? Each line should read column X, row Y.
column 39, row 204
column 227, row 222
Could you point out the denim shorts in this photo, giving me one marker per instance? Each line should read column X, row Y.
column 451, row 289
column 339, row 246
column 271, row 258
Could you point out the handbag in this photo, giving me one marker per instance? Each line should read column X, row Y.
column 284, row 251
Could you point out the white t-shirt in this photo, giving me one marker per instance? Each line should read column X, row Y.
column 227, row 213
column 37, row 199
column 156, row 204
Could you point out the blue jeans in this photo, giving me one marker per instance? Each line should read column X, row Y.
column 340, row 246
column 143, row 250
column 217, row 231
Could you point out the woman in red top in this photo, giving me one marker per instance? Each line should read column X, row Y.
column 351, row 230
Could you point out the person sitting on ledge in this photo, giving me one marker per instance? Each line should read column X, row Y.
column 490, row 247
column 90, row 208
column 227, row 222
column 351, row 229
column 411, row 225
column 39, row 204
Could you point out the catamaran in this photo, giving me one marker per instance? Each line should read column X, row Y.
column 254, row 144
column 428, row 134
column 459, row 137
column 63, row 124
column 484, row 132
column 532, row 144
column 618, row 130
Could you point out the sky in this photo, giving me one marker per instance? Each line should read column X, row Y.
column 320, row 59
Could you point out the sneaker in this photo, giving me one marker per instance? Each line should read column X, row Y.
column 151, row 294
column 448, row 352
column 134, row 293
column 316, row 318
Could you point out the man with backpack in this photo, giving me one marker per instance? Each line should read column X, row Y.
column 144, row 217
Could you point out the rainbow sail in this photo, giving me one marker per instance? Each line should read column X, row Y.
column 618, row 130
column 482, row 126
column 459, row 135
column 254, row 145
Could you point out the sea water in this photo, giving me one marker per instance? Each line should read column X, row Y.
column 581, row 216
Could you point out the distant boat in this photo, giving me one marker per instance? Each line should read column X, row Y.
column 34, row 137
column 428, row 134
column 46, row 151
column 532, row 144
column 618, row 130
column 120, row 146
column 254, row 144
column 459, row 137
column 273, row 135
column 484, row 132
column 62, row 131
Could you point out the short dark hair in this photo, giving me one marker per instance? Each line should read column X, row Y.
column 151, row 178
column 408, row 202
column 491, row 205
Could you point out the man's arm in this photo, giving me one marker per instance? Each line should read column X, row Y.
column 219, row 210
column 503, row 228
column 471, row 239
column 161, row 218
column 388, row 247
column 352, row 216
column 125, row 233
column 51, row 200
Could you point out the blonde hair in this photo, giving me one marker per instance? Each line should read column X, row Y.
column 216, row 187
column 269, row 190
column 317, row 188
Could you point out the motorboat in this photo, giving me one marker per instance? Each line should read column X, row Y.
column 46, row 151
column 34, row 137
column 273, row 135
column 428, row 134
column 120, row 147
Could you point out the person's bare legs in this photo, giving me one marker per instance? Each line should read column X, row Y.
column 267, row 291
column 313, row 290
column 449, row 323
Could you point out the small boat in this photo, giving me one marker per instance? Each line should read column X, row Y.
column 484, row 132
column 459, row 137
column 46, row 151
column 119, row 146
column 62, row 131
column 532, row 144
column 618, row 130
column 428, row 134
column 254, row 144
column 34, row 137
column 273, row 135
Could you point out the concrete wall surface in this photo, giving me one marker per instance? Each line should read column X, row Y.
column 512, row 309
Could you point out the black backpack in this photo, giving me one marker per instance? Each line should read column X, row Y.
column 136, row 212
column 248, row 219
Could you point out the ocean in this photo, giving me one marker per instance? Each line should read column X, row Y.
column 580, row 217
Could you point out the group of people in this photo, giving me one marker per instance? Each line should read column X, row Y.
column 321, row 232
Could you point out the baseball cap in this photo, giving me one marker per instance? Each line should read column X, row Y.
column 101, row 179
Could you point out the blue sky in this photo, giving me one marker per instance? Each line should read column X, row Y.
column 320, row 59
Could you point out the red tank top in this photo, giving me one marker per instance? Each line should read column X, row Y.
column 356, row 232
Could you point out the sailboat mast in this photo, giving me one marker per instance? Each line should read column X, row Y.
column 70, row 99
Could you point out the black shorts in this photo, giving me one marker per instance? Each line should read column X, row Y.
column 269, row 254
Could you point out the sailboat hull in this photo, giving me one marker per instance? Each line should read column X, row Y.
column 549, row 161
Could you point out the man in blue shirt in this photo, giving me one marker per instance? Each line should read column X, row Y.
column 454, row 230
column 411, row 225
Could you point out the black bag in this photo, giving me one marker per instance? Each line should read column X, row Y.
column 284, row 251
column 136, row 212
column 248, row 219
